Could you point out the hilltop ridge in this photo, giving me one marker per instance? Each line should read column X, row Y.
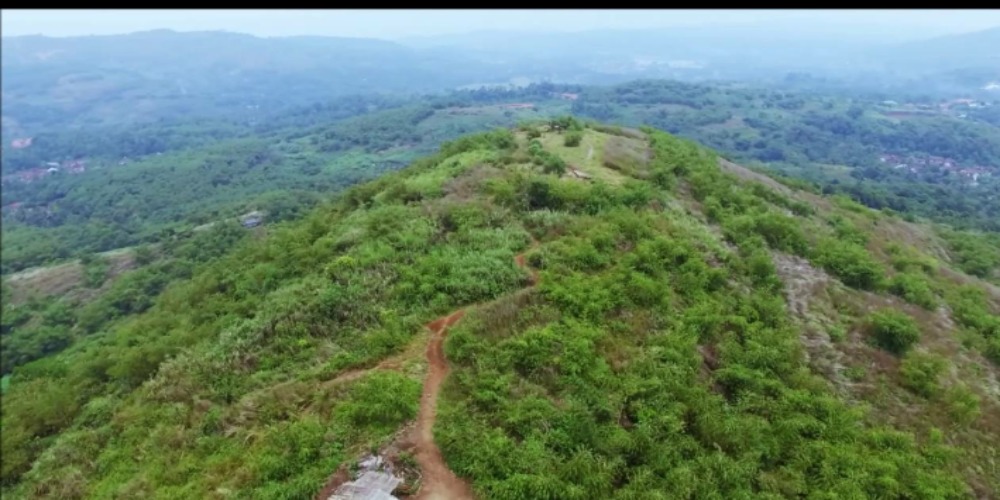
column 694, row 328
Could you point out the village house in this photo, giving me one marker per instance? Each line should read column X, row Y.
column 914, row 164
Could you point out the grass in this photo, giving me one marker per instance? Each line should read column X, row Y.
column 580, row 157
column 61, row 279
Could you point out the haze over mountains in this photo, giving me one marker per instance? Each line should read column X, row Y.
column 55, row 82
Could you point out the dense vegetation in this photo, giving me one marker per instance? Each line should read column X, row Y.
column 144, row 180
column 669, row 349
column 115, row 143
column 37, row 324
column 835, row 142
column 279, row 169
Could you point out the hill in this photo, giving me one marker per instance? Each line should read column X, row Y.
column 143, row 181
column 560, row 311
column 913, row 157
column 54, row 83
column 960, row 64
column 859, row 56
column 950, row 52
column 83, row 82
column 178, row 177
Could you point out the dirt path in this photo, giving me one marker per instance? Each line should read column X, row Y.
column 437, row 481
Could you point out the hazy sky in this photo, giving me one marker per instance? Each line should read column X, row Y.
column 392, row 24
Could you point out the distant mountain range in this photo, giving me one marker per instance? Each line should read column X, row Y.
column 739, row 52
column 147, row 76
column 164, row 74
column 949, row 53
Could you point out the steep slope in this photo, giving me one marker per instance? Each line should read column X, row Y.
column 697, row 330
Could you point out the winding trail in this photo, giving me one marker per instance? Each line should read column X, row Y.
column 437, row 481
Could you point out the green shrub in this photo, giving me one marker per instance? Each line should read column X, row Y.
column 914, row 289
column 573, row 138
column 894, row 331
column 921, row 372
column 976, row 253
column 970, row 308
column 837, row 332
column 855, row 373
column 95, row 270
column 847, row 231
column 759, row 267
column 909, row 259
column 782, row 233
column 851, row 263
column 381, row 399
column 144, row 255
column 992, row 350
column 554, row 165
column 566, row 122
column 963, row 405
column 845, row 202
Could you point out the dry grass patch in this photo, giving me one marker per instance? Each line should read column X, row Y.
column 467, row 185
column 628, row 156
column 67, row 278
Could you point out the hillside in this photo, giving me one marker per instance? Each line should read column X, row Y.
column 976, row 49
column 959, row 64
column 83, row 82
column 55, row 83
column 866, row 55
column 557, row 311
column 142, row 181
column 175, row 178
column 882, row 155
